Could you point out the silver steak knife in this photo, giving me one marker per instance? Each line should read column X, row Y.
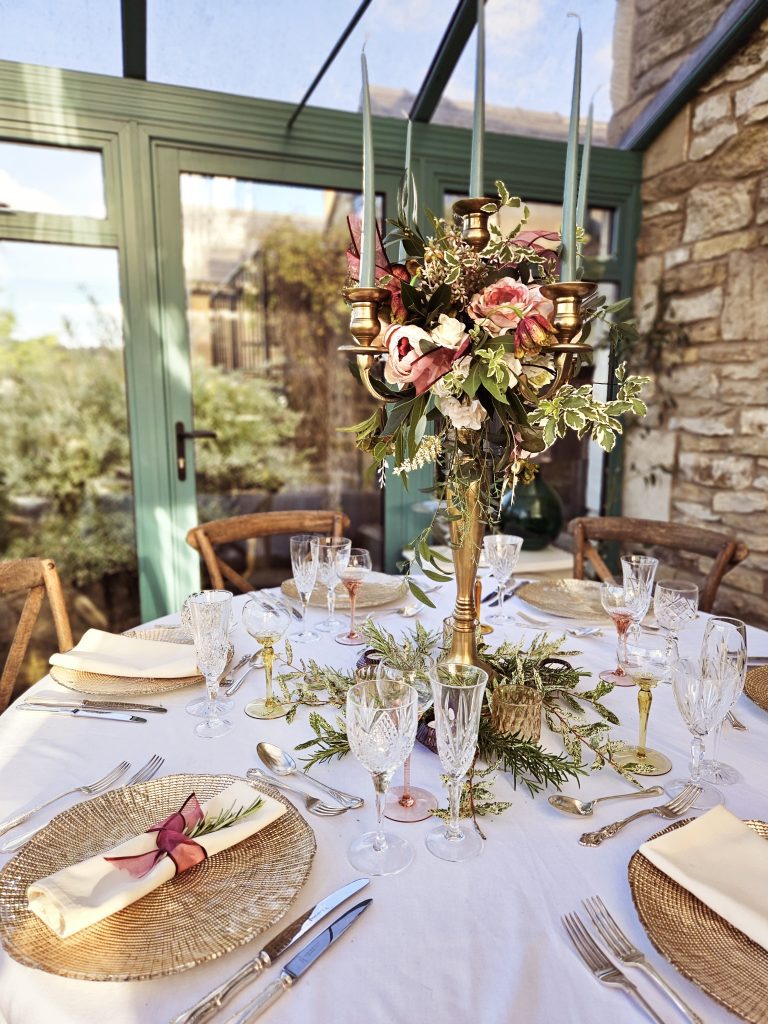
column 111, row 716
column 95, row 705
column 294, row 969
column 217, row 997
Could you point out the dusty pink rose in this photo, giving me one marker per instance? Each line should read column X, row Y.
column 502, row 305
column 407, row 364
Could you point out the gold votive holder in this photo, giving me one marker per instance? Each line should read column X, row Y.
column 517, row 710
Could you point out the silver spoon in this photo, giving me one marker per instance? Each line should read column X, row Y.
column 310, row 802
column 281, row 763
column 572, row 804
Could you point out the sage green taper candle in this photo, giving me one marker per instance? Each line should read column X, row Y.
column 581, row 202
column 477, row 171
column 368, row 235
column 407, row 185
column 568, row 257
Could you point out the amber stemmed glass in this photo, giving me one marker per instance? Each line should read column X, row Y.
column 623, row 602
column 352, row 576
column 645, row 660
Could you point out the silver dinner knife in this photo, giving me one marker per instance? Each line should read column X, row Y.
column 294, row 969
column 112, row 716
column 217, row 997
column 94, row 705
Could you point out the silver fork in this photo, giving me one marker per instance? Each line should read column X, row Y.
column 90, row 790
column 310, row 802
column 684, row 800
column 599, row 964
column 620, row 945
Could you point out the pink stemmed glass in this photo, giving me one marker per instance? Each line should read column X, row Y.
column 623, row 602
column 352, row 576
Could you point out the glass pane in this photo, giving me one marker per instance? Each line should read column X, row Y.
column 529, row 69
column 65, row 475
column 48, row 179
column 82, row 35
column 264, row 269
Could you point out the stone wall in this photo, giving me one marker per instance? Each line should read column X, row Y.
column 701, row 296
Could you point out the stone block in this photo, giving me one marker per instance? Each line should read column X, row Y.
column 694, row 276
column 706, row 143
column 758, row 113
column 740, row 501
column 674, row 257
column 680, row 178
column 698, row 379
column 661, row 206
column 761, row 483
column 709, row 426
column 744, row 308
column 670, row 148
column 716, row 208
column 649, row 456
column 704, row 305
column 647, row 276
column 722, row 245
column 696, row 512
column 660, row 233
column 727, row 472
column 703, row 333
column 755, row 421
column 745, row 155
column 752, row 95
column 744, row 579
column 714, row 108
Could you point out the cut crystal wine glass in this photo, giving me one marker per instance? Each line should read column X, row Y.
column 723, row 643
column 209, row 618
column 640, row 569
column 304, row 568
column 458, row 701
column 199, row 707
column 502, row 552
column 381, row 726
column 332, row 554
column 623, row 602
column 352, row 576
column 675, row 606
column 267, row 622
column 645, row 660
column 407, row 802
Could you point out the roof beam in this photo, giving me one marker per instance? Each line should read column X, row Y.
column 733, row 29
column 134, row 24
column 445, row 60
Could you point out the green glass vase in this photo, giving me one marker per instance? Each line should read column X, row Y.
column 536, row 514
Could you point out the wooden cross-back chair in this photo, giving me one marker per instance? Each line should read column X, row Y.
column 38, row 576
column 725, row 550
column 205, row 536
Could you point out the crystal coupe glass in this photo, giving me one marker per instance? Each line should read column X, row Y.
column 267, row 622
column 645, row 660
column 724, row 638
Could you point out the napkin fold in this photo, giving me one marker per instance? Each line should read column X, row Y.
column 84, row 893
column 113, row 655
column 724, row 863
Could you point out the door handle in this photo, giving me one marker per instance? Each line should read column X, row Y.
column 182, row 436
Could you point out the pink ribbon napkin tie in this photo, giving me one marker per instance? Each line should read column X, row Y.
column 172, row 841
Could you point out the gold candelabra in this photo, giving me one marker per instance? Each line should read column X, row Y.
column 467, row 531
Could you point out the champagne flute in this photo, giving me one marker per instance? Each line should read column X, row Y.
column 267, row 622
column 704, row 691
column 352, row 576
column 642, row 570
column 199, row 707
column 645, row 660
column 502, row 552
column 623, row 603
column 726, row 638
column 381, row 726
column 304, row 567
column 675, row 606
column 209, row 617
column 332, row 554
column 458, row 696
column 407, row 802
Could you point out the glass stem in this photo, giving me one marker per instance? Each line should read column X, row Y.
column 380, row 784
column 406, row 799
column 352, row 591
column 502, row 595
column 716, row 745
column 212, row 691
column 331, row 597
column 621, row 644
column 697, row 749
column 671, row 643
column 304, row 603
column 268, row 656
column 644, row 700
column 454, row 805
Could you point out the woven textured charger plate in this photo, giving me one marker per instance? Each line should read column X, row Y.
column 198, row 915
column 116, row 686
column 377, row 589
column 756, row 686
column 702, row 945
column 571, row 599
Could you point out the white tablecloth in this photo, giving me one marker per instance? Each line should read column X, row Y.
column 456, row 943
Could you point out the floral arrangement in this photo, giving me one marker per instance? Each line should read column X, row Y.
column 466, row 366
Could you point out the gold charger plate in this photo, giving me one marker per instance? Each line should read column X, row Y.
column 711, row 953
column 196, row 916
column 99, row 685
column 569, row 599
column 377, row 589
column 756, row 686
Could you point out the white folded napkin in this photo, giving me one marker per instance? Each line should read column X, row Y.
column 113, row 655
column 81, row 895
column 724, row 863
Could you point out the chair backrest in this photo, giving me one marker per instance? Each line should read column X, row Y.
column 726, row 551
column 204, row 537
column 37, row 577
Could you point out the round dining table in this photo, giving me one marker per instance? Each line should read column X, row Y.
column 478, row 942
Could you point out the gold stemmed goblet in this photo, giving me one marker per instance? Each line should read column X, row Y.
column 267, row 622
column 645, row 660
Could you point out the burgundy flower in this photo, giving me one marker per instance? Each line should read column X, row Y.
column 532, row 334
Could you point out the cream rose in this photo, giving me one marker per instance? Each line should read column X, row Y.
column 403, row 344
column 462, row 414
column 449, row 332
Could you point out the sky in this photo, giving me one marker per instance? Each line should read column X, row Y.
column 262, row 48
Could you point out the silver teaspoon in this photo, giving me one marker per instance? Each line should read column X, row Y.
column 281, row 763
column 583, row 808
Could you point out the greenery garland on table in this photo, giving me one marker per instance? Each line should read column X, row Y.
column 544, row 666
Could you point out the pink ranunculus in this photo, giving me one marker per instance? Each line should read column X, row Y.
column 501, row 306
column 407, row 364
